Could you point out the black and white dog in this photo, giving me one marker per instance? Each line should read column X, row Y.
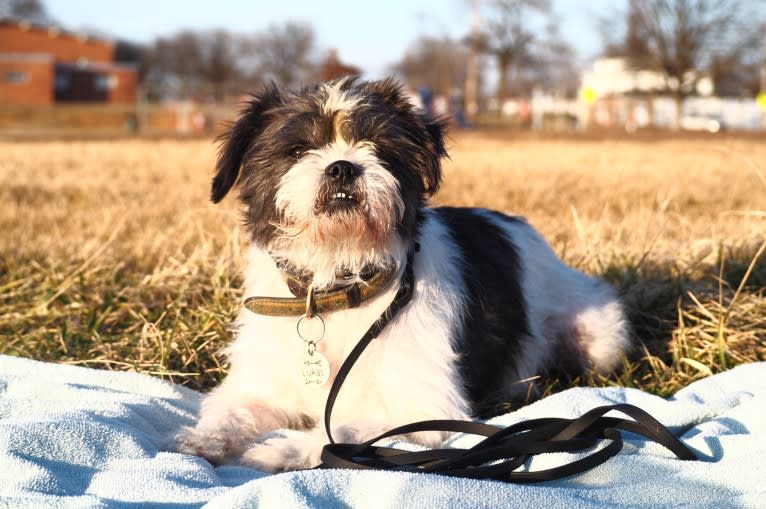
column 334, row 180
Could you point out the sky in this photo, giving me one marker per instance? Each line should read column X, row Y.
column 372, row 35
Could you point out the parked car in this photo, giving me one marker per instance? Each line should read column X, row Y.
column 697, row 122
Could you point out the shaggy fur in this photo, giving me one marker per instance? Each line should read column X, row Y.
column 335, row 178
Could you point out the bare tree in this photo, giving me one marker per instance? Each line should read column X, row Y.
column 510, row 38
column 28, row 10
column 472, row 78
column 633, row 45
column 196, row 64
column 685, row 36
column 736, row 70
column 285, row 54
column 173, row 66
column 218, row 64
column 554, row 65
column 437, row 63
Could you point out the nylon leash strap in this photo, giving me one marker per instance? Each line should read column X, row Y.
column 503, row 451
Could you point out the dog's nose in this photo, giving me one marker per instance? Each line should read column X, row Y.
column 342, row 171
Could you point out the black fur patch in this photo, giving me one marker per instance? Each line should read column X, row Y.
column 237, row 141
column 495, row 319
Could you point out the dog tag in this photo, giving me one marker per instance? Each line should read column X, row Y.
column 315, row 368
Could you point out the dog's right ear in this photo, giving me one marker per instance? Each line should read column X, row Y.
column 237, row 140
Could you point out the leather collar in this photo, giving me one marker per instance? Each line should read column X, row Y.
column 344, row 296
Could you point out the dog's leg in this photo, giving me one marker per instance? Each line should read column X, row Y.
column 229, row 424
column 287, row 450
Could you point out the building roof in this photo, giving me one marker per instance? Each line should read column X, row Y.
column 24, row 24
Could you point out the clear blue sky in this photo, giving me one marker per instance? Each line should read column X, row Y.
column 370, row 34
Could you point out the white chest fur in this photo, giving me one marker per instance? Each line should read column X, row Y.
column 407, row 373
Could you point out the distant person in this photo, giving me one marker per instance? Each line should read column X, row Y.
column 426, row 99
column 456, row 105
column 525, row 112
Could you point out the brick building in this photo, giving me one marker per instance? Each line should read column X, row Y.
column 332, row 68
column 44, row 65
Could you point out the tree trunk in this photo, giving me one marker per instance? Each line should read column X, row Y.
column 503, row 65
column 678, row 96
column 218, row 91
column 471, row 94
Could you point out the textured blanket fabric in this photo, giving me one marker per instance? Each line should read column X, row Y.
column 78, row 437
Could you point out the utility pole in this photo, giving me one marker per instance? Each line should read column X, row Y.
column 762, row 95
column 472, row 72
column 763, row 62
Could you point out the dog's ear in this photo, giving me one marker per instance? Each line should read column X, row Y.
column 238, row 139
column 432, row 174
column 426, row 132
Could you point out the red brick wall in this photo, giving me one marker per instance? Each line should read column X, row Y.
column 64, row 47
column 127, row 85
column 36, row 87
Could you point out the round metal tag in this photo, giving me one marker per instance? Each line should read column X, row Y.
column 315, row 369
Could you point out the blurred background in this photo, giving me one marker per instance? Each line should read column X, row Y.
column 74, row 67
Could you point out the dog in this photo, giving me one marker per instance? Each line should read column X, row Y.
column 335, row 180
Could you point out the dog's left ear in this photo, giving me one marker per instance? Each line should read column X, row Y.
column 237, row 141
column 432, row 174
column 423, row 131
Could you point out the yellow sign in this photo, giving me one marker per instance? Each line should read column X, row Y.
column 761, row 100
column 588, row 95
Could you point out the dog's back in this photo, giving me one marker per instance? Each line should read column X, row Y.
column 524, row 311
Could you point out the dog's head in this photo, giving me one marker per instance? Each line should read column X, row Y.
column 332, row 176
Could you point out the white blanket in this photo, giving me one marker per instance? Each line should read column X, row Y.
column 77, row 437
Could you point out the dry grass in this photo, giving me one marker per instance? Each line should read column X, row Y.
column 112, row 257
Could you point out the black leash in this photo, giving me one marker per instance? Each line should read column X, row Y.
column 506, row 448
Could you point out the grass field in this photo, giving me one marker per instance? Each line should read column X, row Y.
column 112, row 257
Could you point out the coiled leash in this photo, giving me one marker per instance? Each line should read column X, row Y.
column 504, row 450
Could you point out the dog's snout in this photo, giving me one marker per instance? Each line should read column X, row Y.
column 342, row 171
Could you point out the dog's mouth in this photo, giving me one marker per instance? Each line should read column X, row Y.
column 337, row 200
column 342, row 197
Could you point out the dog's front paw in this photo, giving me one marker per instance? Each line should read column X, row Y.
column 216, row 447
column 285, row 453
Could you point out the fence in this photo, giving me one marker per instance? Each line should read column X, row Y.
column 183, row 118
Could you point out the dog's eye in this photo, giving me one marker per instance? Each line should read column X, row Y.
column 296, row 152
